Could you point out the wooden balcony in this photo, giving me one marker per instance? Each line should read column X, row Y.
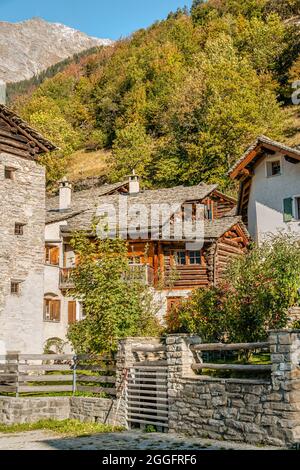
column 142, row 273
column 65, row 278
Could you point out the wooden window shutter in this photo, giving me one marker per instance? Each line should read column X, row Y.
column 55, row 310
column 54, row 256
column 288, row 209
column 71, row 312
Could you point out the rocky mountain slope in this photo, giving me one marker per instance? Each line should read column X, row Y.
column 29, row 47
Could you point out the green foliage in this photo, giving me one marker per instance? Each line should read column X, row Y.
column 67, row 427
column 113, row 307
column 296, row 325
column 203, row 313
column 178, row 101
column 54, row 346
column 132, row 149
column 260, row 289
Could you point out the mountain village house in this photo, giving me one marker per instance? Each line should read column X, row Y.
column 22, row 223
column 152, row 259
column 269, row 198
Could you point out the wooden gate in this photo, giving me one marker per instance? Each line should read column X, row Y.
column 147, row 395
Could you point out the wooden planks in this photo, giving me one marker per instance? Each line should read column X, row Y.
column 147, row 394
column 234, row 367
column 228, row 347
column 41, row 373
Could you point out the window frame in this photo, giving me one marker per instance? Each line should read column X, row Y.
column 17, row 284
column 19, row 229
column 187, row 257
column 51, row 298
column 11, row 171
column 271, row 162
column 296, row 207
column 48, row 248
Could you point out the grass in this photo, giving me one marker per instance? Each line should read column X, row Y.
column 255, row 359
column 83, row 164
column 67, row 427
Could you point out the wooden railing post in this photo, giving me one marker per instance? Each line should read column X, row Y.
column 74, row 374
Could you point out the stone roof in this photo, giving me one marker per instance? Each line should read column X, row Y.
column 217, row 227
column 262, row 139
column 178, row 196
column 44, row 144
column 81, row 201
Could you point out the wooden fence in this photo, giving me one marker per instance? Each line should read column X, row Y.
column 241, row 367
column 55, row 373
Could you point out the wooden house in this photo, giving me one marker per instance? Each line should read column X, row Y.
column 173, row 267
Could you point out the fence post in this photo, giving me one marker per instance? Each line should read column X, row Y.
column 74, row 374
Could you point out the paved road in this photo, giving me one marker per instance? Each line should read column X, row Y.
column 43, row 440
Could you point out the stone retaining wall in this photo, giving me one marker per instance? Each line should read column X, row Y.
column 95, row 410
column 253, row 411
column 29, row 410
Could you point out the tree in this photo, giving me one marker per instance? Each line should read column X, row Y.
column 114, row 307
column 132, row 149
column 260, row 289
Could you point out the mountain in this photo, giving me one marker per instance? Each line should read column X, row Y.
column 179, row 101
column 29, row 47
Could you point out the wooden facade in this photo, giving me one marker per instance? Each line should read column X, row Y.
column 174, row 266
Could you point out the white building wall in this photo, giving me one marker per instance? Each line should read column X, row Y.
column 265, row 209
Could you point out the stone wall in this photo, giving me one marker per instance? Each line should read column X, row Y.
column 96, row 410
column 30, row 410
column 254, row 411
column 22, row 256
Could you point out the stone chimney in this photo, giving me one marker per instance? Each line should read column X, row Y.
column 65, row 194
column 2, row 92
column 134, row 183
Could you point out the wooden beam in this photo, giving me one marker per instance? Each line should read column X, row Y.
column 229, row 346
column 235, row 367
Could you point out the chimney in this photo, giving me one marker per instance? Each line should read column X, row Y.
column 65, row 194
column 2, row 92
column 134, row 183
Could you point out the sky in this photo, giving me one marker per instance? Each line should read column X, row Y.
column 101, row 18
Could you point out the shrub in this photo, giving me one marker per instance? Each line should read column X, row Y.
column 259, row 290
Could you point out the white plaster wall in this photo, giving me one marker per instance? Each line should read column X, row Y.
column 265, row 209
column 51, row 285
column 161, row 300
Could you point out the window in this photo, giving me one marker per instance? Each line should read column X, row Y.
column 71, row 312
column 297, row 205
column 15, row 287
column 180, row 258
column 51, row 309
column 19, row 229
column 288, row 212
column 9, row 173
column 52, row 255
column 195, row 257
column 273, row 168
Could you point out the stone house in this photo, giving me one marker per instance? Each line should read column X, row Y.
column 269, row 196
column 152, row 257
column 22, row 227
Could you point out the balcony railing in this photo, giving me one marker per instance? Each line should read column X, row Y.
column 142, row 273
column 65, row 278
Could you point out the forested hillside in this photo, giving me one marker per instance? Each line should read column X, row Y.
column 181, row 100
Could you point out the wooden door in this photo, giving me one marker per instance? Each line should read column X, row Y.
column 71, row 311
